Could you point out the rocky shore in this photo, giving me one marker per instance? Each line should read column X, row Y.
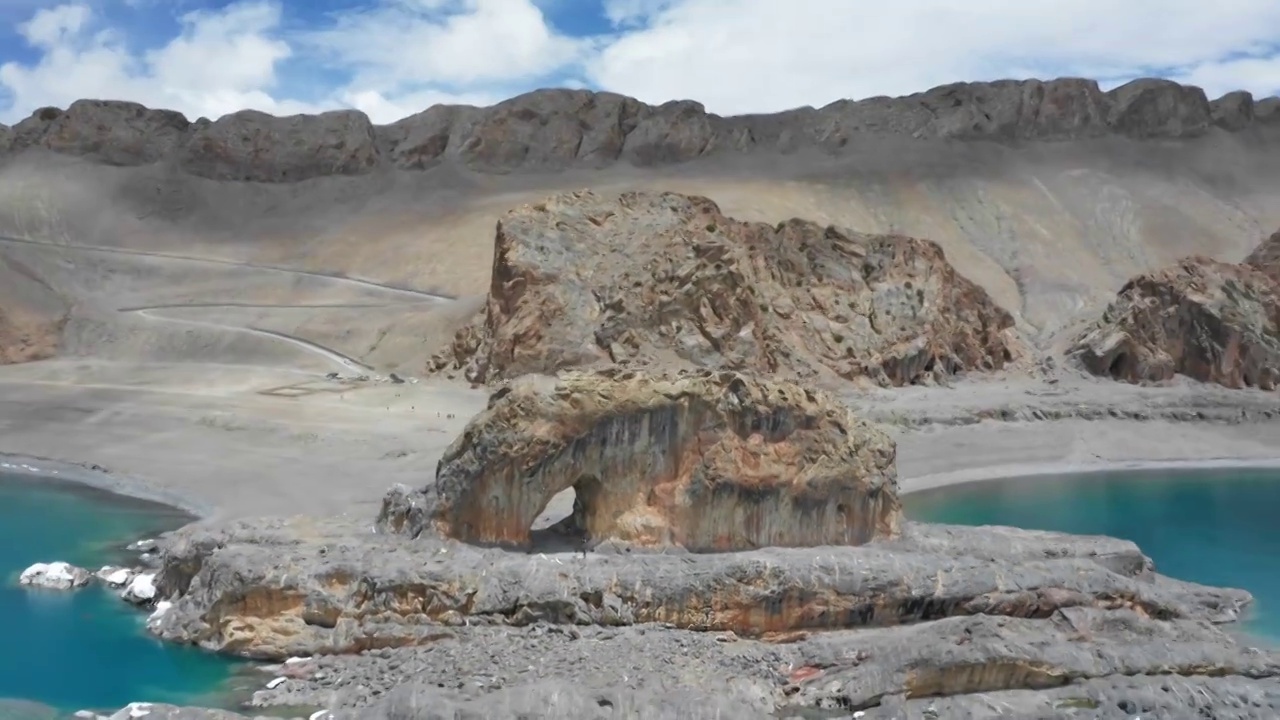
column 673, row 490
column 399, row 620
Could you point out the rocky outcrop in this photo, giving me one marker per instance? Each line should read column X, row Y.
column 1266, row 258
column 705, row 462
column 910, row 613
column 55, row 576
column 695, row 286
column 1212, row 321
column 254, row 146
column 276, row 589
column 551, row 129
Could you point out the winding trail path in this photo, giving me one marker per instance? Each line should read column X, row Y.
column 149, row 312
column 333, row 356
column 230, row 263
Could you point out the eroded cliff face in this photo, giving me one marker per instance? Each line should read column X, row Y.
column 586, row 279
column 552, row 129
column 274, row 589
column 1212, row 321
column 1266, row 258
column 704, row 461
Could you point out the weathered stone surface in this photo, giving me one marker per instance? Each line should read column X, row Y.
column 1155, row 108
column 1233, row 111
column 1116, row 697
column 255, row 146
column 703, row 461
column 276, row 589
column 796, row 299
column 1211, row 321
column 6, row 138
column 55, row 576
column 1266, row 258
column 553, row 701
column 551, row 129
column 967, row 655
column 112, row 132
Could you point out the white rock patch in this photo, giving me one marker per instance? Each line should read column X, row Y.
column 55, row 576
column 115, row 576
column 157, row 615
column 141, row 589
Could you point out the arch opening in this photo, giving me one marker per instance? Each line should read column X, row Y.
column 564, row 524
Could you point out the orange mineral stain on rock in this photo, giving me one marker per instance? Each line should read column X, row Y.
column 709, row 461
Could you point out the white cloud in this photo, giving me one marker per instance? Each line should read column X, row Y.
column 220, row 62
column 764, row 55
column 395, row 57
column 399, row 43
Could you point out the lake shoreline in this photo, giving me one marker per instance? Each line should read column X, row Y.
column 1048, row 470
column 63, row 512
column 103, row 479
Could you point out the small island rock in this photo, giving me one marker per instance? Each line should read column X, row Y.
column 55, row 576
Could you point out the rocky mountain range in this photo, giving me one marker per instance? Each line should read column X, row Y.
column 557, row 129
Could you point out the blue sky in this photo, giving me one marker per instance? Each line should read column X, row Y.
column 391, row 58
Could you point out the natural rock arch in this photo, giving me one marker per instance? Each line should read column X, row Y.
column 706, row 461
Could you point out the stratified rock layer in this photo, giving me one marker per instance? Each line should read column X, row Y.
column 704, row 461
column 585, row 279
column 275, row 589
column 1211, row 321
column 552, row 129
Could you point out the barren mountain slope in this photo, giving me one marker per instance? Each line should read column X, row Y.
column 1049, row 195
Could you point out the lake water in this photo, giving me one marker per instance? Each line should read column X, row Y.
column 1217, row 527
column 87, row 649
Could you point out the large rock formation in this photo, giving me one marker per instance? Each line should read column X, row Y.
column 1212, row 321
column 586, row 279
column 1266, row 258
column 706, row 462
column 549, row 129
column 919, row 613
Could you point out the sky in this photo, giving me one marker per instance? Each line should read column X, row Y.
column 393, row 58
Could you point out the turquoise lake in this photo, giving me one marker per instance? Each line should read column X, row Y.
column 87, row 649
column 1217, row 527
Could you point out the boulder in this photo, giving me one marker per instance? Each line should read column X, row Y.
column 55, row 576
column 1212, row 321
column 116, row 577
column 588, row 279
column 704, row 461
column 141, row 590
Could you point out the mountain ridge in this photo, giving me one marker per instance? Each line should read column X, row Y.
column 556, row 129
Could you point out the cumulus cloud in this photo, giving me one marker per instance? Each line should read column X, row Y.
column 403, row 53
column 219, row 62
column 392, row 58
column 762, row 55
